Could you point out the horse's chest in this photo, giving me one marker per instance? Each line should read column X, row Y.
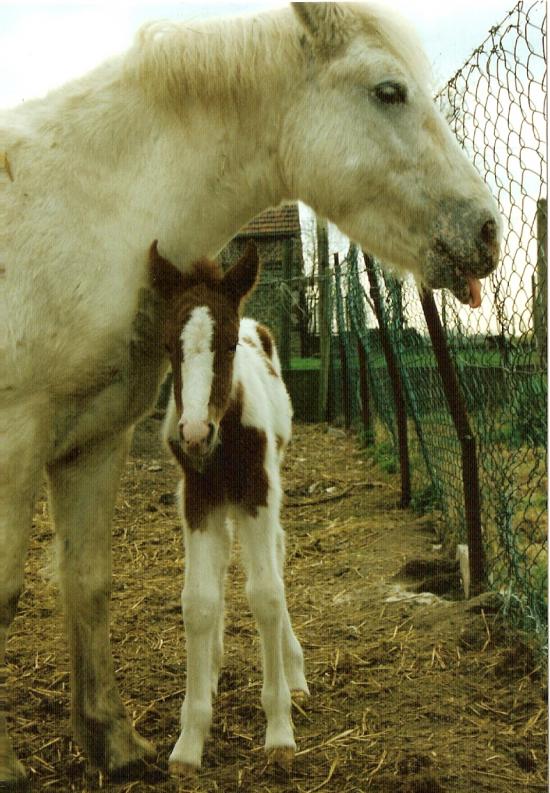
column 125, row 388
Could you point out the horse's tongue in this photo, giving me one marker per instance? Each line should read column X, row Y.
column 474, row 286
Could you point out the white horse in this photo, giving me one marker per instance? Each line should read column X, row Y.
column 228, row 424
column 184, row 138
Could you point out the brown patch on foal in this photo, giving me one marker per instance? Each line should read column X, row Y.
column 234, row 474
column 266, row 340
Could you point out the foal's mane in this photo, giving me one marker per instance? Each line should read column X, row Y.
column 243, row 56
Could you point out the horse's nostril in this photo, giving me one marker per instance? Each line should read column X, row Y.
column 489, row 232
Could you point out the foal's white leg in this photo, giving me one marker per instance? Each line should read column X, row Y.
column 226, row 543
column 23, row 449
column 292, row 650
column 82, row 496
column 266, row 596
column 206, row 556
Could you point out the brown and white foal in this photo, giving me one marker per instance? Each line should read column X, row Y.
column 227, row 424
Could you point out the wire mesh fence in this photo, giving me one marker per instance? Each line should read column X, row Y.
column 496, row 105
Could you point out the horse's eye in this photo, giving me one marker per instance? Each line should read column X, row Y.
column 391, row 93
column 233, row 348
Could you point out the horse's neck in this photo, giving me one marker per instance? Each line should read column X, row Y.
column 189, row 179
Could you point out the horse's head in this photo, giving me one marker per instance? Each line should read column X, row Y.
column 364, row 144
column 201, row 333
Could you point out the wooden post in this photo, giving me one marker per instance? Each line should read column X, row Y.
column 344, row 372
column 457, row 409
column 396, row 382
column 285, row 323
column 325, row 318
column 540, row 307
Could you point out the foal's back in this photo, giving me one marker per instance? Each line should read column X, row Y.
column 258, row 369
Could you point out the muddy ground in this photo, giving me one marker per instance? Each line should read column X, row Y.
column 408, row 695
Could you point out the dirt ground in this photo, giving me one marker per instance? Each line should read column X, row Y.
column 408, row 694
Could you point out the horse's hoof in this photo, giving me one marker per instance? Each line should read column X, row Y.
column 182, row 771
column 283, row 756
column 20, row 785
column 14, row 777
column 136, row 770
column 299, row 696
column 138, row 765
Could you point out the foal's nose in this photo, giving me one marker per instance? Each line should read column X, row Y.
column 197, row 435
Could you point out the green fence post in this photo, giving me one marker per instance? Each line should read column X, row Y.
column 397, row 385
column 325, row 319
column 344, row 369
column 285, row 325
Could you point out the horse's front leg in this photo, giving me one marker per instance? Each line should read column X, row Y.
column 24, row 442
column 82, row 496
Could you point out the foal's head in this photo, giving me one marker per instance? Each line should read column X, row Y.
column 201, row 333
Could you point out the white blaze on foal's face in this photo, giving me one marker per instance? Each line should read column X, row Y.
column 197, row 376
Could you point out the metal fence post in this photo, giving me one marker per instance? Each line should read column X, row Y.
column 540, row 308
column 457, row 409
column 397, row 385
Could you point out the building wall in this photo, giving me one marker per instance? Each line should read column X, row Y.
column 265, row 303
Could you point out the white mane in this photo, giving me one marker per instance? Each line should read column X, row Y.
column 213, row 58
column 240, row 56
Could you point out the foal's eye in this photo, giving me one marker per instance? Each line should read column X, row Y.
column 391, row 93
column 233, row 348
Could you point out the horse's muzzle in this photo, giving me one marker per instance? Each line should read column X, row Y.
column 466, row 247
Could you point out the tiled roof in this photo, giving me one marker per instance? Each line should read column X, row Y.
column 283, row 221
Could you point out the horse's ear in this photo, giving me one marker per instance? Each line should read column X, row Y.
column 165, row 278
column 241, row 279
column 327, row 24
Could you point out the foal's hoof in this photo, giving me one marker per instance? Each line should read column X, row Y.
column 283, row 756
column 183, row 772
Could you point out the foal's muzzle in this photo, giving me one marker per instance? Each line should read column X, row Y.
column 198, row 441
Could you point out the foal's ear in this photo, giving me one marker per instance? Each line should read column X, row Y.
column 241, row 279
column 165, row 278
column 327, row 25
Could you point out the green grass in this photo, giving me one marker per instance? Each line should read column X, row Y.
column 425, row 357
column 305, row 363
